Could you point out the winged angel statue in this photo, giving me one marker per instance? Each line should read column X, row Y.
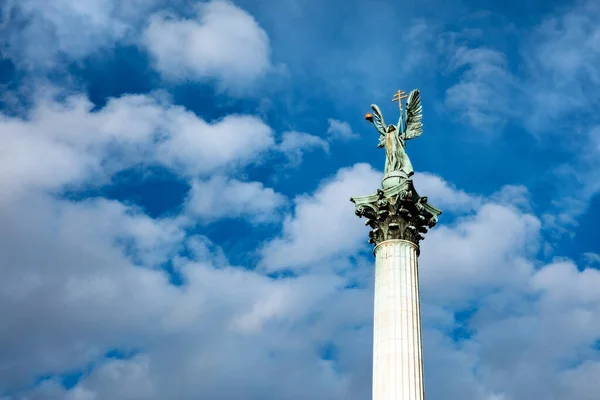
column 393, row 137
column 397, row 211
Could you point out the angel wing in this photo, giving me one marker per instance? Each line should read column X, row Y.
column 378, row 119
column 414, row 115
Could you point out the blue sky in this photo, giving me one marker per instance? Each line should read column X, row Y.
column 176, row 179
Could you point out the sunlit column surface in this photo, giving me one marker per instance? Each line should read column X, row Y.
column 397, row 354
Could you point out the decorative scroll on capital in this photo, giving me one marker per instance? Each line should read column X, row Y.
column 397, row 212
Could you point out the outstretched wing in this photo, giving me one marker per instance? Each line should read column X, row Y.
column 414, row 115
column 378, row 119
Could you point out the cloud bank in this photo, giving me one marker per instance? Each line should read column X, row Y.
column 102, row 299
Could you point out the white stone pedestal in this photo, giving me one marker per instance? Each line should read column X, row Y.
column 397, row 351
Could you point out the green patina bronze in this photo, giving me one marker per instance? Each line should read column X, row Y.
column 397, row 211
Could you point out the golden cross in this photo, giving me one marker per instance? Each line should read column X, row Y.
column 399, row 96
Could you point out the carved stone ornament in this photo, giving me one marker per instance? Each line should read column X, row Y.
column 397, row 212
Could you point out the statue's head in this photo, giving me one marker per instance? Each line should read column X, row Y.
column 391, row 128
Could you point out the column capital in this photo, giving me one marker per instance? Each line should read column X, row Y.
column 397, row 212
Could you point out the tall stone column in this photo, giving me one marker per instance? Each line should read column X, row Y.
column 397, row 350
column 399, row 218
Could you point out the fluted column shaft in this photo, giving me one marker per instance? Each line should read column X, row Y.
column 397, row 350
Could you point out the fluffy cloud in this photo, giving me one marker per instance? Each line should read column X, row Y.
column 477, row 252
column 483, row 265
column 550, row 333
column 219, row 198
column 559, row 58
column 198, row 147
column 479, row 97
column 553, row 95
column 101, row 276
column 223, row 42
column 323, row 225
column 441, row 194
column 526, row 323
column 146, row 308
column 340, row 130
column 93, row 285
column 82, row 270
column 85, row 300
column 591, row 258
column 294, row 144
column 41, row 33
column 563, row 55
column 67, row 142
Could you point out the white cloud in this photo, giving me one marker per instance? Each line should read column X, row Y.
column 551, row 89
column 223, row 42
column 83, row 296
column 82, row 278
column 491, row 248
column 513, row 195
column 294, row 144
column 66, row 142
column 581, row 289
column 563, row 55
column 340, row 130
column 199, row 147
column 80, row 272
column 92, row 285
column 442, row 195
column 582, row 380
column 453, row 366
column 532, row 323
column 538, row 335
column 479, row 98
column 591, row 258
column 553, row 94
column 323, row 225
column 95, row 282
column 219, row 198
column 40, row 33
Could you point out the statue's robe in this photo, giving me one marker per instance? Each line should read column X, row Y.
column 396, row 157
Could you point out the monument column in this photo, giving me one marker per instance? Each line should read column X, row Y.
column 399, row 219
column 397, row 350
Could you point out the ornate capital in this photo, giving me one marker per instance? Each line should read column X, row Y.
column 397, row 212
